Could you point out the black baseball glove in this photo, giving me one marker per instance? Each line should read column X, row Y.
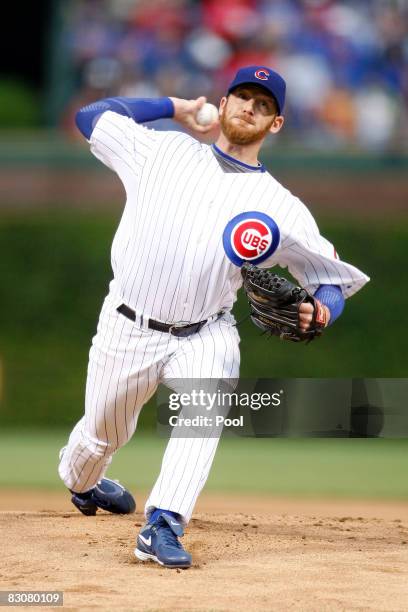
column 274, row 305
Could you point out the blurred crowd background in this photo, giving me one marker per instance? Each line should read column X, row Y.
column 346, row 63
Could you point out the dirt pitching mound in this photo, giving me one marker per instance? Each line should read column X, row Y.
column 271, row 555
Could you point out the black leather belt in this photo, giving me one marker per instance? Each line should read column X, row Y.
column 175, row 328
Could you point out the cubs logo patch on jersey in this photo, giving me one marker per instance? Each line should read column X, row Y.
column 251, row 236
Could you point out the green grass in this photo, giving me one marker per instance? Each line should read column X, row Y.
column 357, row 468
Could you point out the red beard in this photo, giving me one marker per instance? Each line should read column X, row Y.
column 241, row 134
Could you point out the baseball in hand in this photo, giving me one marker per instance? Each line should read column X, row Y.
column 207, row 114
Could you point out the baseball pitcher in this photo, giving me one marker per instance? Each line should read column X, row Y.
column 198, row 221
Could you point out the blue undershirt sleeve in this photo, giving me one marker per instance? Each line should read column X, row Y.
column 141, row 110
column 332, row 297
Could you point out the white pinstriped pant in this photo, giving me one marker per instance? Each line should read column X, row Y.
column 126, row 364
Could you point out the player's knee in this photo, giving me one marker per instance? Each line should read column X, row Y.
column 99, row 447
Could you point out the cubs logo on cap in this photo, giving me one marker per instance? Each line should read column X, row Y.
column 251, row 236
column 262, row 74
column 264, row 77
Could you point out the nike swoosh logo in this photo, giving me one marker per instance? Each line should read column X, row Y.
column 173, row 523
column 146, row 541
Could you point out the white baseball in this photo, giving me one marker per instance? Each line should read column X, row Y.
column 207, row 114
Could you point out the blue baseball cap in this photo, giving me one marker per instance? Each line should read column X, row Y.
column 264, row 77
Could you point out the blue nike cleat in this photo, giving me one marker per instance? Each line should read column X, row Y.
column 158, row 541
column 107, row 495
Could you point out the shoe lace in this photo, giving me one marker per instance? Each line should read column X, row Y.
column 169, row 538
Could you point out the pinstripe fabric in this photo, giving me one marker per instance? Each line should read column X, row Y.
column 168, row 257
column 211, row 355
column 126, row 364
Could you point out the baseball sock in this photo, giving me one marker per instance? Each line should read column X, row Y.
column 85, row 495
column 155, row 514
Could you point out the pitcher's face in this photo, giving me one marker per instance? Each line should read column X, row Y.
column 248, row 114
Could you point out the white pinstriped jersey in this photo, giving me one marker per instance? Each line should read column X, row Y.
column 169, row 254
